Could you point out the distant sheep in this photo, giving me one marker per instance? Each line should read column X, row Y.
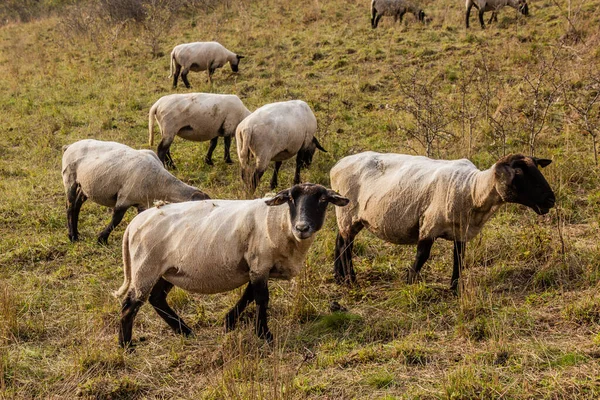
column 114, row 175
column 493, row 6
column 216, row 246
column 276, row 132
column 406, row 199
column 200, row 56
column 393, row 8
column 197, row 117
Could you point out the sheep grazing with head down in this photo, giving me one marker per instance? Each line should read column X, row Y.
column 114, row 175
column 197, row 117
column 216, row 246
column 393, row 8
column 276, row 132
column 406, row 199
column 200, row 56
column 493, row 6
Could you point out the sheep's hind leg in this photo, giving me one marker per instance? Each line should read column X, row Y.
column 164, row 152
column 129, row 309
column 117, row 216
column 227, row 154
column 423, row 251
column 158, row 299
column 176, row 75
column 75, row 199
column 211, row 148
column 481, row 18
column 275, row 172
column 184, row 74
column 459, row 249
column 343, row 269
column 233, row 315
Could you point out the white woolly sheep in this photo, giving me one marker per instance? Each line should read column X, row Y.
column 393, row 8
column 200, row 56
column 197, row 117
column 406, row 199
column 493, row 6
column 216, row 246
column 276, row 132
column 114, row 175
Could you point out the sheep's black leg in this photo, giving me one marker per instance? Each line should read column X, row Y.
column 401, row 15
column 343, row 269
column 211, row 148
column 117, row 216
column 468, row 13
column 377, row 20
column 184, row 78
column 423, row 251
column 211, row 71
column 176, row 75
column 299, row 164
column 256, row 179
column 481, row 18
column 164, row 152
column 275, row 172
column 158, row 299
column 141, row 209
column 75, row 199
column 233, row 315
column 492, row 18
column 261, row 296
column 227, row 154
column 459, row 249
column 129, row 310
column 373, row 15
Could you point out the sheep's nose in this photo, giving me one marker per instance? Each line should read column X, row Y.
column 550, row 200
column 302, row 227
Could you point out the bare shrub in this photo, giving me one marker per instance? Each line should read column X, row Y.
column 584, row 100
column 157, row 22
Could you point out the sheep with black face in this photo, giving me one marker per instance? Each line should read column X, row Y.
column 217, row 246
column 493, row 6
column 405, row 199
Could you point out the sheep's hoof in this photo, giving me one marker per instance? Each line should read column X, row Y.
column 103, row 240
column 208, row 161
column 229, row 161
column 267, row 336
column 73, row 238
column 411, row 277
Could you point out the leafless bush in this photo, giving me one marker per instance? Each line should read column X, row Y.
column 157, row 22
column 427, row 110
column 584, row 100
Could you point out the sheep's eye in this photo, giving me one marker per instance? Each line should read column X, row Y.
column 323, row 199
column 518, row 171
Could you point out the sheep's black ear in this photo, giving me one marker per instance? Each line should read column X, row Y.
column 335, row 199
column 542, row 162
column 280, row 198
column 316, row 142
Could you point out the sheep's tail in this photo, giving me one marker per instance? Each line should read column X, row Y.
column 126, row 267
column 151, row 116
column 243, row 146
column 172, row 63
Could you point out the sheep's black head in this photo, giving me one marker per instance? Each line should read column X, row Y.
column 308, row 203
column 518, row 180
column 305, row 156
column 234, row 65
column 421, row 16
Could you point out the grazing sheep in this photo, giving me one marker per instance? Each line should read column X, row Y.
column 216, row 246
column 200, row 56
column 276, row 132
column 406, row 199
column 197, row 117
column 114, row 175
column 395, row 8
column 494, row 6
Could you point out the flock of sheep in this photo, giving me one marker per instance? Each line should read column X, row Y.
column 181, row 237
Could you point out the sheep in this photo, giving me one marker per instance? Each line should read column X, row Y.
column 405, row 199
column 197, row 117
column 115, row 175
column 395, row 8
column 216, row 246
column 494, row 6
column 200, row 56
column 276, row 132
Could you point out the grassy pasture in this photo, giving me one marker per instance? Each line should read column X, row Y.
column 527, row 322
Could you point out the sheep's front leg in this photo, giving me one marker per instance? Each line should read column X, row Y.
column 211, row 148
column 299, row 164
column 261, row 296
column 459, row 249
column 233, row 315
column 227, row 154
column 275, row 172
column 423, row 251
column 377, row 20
column 129, row 309
column 158, row 299
column 117, row 216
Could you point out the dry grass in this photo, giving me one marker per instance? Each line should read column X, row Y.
column 526, row 325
